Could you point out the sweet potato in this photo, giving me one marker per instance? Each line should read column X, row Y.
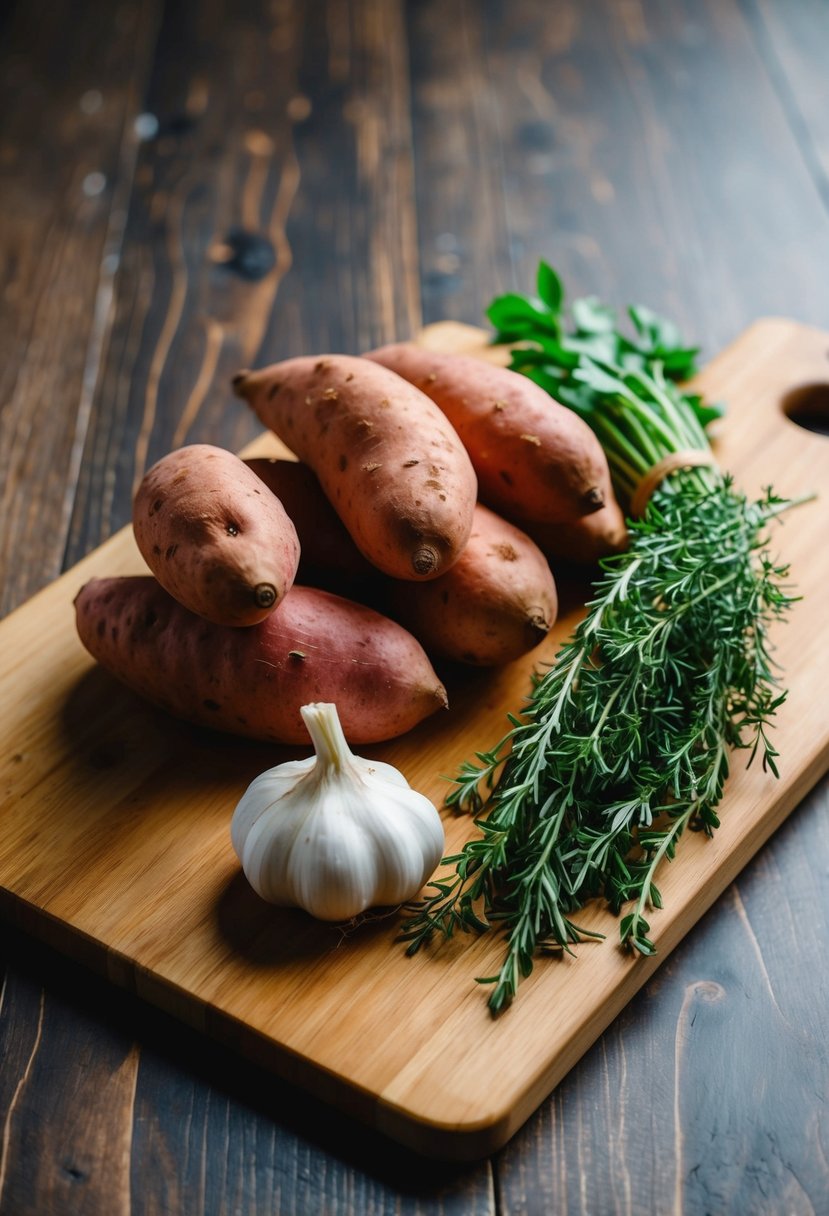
column 496, row 603
column 585, row 540
column 214, row 536
column 387, row 458
column 534, row 458
column 328, row 555
column 317, row 647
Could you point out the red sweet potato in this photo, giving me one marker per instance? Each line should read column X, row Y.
column 387, row 458
column 496, row 603
column 214, row 536
column 534, row 458
column 584, row 540
column 317, row 647
column 327, row 552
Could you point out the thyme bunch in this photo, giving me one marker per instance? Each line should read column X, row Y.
column 625, row 740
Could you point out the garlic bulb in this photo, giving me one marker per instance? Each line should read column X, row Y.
column 335, row 834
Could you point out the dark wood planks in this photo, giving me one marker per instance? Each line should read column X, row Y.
column 125, row 1110
column 272, row 214
column 705, row 1095
column 794, row 40
column 640, row 147
column 466, row 247
column 69, row 91
column 67, row 1101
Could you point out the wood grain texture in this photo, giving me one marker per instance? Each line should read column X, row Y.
column 786, row 34
column 205, row 1131
column 59, row 1165
column 68, row 149
column 246, row 179
column 116, row 842
column 648, row 1112
column 706, row 263
column 628, row 145
column 465, row 244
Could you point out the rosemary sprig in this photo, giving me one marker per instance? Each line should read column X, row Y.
column 624, row 742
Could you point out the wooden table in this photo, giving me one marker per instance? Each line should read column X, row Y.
column 192, row 187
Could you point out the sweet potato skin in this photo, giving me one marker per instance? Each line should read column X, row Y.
column 214, row 536
column 327, row 552
column 252, row 682
column 498, row 601
column 585, row 540
column 534, row 458
column 387, row 458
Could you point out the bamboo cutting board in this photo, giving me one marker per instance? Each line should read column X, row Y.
column 114, row 842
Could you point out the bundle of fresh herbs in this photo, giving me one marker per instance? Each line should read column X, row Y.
column 625, row 740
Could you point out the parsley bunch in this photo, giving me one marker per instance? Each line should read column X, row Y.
column 624, row 742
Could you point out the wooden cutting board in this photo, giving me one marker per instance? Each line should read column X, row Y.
column 114, row 843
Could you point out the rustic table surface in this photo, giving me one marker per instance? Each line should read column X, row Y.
column 192, row 187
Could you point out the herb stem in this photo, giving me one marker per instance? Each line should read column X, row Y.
column 626, row 739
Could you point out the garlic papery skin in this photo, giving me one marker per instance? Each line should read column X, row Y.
column 336, row 833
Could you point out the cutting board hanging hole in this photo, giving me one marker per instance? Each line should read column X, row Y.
column 808, row 406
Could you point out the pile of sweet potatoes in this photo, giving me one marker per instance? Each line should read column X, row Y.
column 420, row 482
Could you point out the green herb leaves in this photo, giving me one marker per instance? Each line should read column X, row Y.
column 593, row 328
column 624, row 742
column 606, row 376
